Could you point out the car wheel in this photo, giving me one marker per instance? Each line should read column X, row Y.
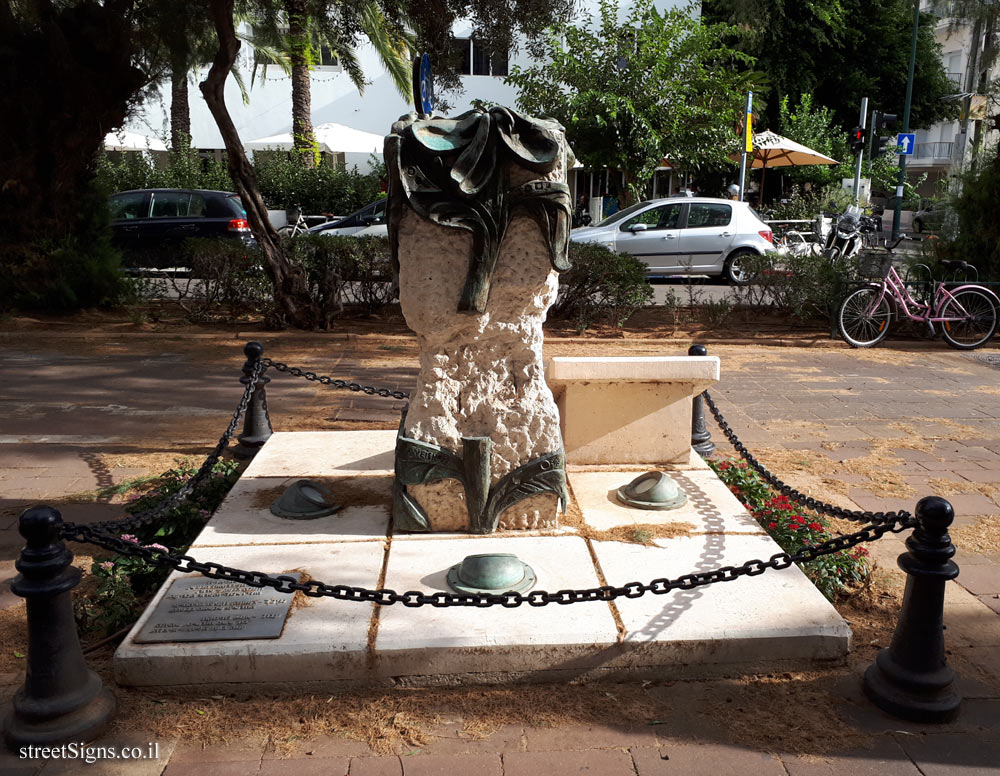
column 918, row 225
column 736, row 271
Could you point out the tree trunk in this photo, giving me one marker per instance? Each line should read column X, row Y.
column 302, row 128
column 291, row 291
column 180, row 110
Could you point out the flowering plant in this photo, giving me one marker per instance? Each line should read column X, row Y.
column 125, row 582
column 794, row 529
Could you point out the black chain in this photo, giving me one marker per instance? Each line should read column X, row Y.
column 880, row 524
column 413, row 598
column 903, row 517
column 324, row 380
column 150, row 515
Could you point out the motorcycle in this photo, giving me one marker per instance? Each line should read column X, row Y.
column 845, row 239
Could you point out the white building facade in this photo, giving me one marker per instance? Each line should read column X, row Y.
column 334, row 97
column 947, row 146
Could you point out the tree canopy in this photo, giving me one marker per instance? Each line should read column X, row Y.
column 75, row 69
column 633, row 92
column 840, row 51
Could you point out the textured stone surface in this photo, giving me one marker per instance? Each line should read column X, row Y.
column 480, row 374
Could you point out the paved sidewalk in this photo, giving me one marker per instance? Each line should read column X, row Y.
column 863, row 424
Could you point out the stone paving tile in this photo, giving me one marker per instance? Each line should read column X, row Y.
column 886, row 758
column 241, row 751
column 594, row 762
column 953, row 754
column 992, row 601
column 690, row 759
column 980, row 578
column 376, row 766
column 306, row 766
column 870, row 502
column 973, row 504
column 326, row 747
column 990, row 476
column 449, row 740
column 483, row 764
column 212, row 768
column 587, row 737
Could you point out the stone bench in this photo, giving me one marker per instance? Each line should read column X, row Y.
column 628, row 409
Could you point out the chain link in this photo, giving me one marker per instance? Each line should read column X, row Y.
column 904, row 518
column 141, row 519
column 324, row 380
column 880, row 523
column 415, row 598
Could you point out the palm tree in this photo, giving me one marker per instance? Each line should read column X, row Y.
column 296, row 50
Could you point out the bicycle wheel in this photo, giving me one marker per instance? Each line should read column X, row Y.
column 864, row 317
column 974, row 319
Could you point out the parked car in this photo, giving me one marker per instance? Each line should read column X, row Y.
column 686, row 235
column 931, row 218
column 149, row 225
column 369, row 221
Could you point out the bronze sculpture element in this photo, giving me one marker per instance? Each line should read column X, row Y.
column 479, row 216
column 455, row 173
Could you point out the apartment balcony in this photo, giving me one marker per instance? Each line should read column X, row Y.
column 956, row 80
column 928, row 155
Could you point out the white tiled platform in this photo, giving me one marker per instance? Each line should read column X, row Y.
column 777, row 620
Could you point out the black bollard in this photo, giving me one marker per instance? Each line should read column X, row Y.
column 62, row 700
column 256, row 424
column 701, row 440
column 910, row 678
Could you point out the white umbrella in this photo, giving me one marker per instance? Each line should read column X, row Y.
column 773, row 150
column 124, row 140
column 332, row 138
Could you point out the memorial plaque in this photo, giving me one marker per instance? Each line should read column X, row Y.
column 202, row 609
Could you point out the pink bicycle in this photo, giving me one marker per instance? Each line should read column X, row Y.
column 967, row 313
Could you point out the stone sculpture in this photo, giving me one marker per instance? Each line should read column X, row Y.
column 479, row 217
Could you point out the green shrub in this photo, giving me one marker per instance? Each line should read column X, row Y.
column 184, row 170
column 353, row 271
column 124, row 582
column 978, row 240
column 230, row 279
column 804, row 287
column 285, row 183
column 601, row 287
column 794, row 528
column 67, row 273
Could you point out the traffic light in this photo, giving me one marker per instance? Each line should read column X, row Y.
column 882, row 146
column 857, row 140
column 883, row 120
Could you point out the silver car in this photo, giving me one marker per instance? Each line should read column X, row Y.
column 686, row 235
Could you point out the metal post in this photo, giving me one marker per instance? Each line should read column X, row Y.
column 897, row 212
column 701, row 440
column 256, row 424
column 747, row 136
column 910, row 678
column 62, row 700
column 863, row 121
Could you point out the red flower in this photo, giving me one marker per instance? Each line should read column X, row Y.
column 772, row 525
column 798, row 519
column 723, row 465
column 815, row 527
column 792, row 527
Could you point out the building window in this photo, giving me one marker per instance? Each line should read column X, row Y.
column 327, row 57
column 475, row 59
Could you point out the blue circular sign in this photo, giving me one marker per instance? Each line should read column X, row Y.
column 423, row 92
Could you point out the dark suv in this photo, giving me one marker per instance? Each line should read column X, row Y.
column 150, row 224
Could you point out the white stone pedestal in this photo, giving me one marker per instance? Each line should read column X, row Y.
column 775, row 621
